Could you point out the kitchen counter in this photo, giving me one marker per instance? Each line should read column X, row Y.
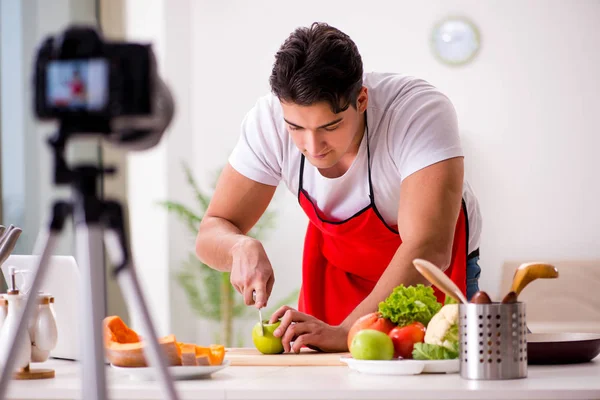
column 262, row 383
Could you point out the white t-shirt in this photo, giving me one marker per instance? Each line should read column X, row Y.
column 411, row 125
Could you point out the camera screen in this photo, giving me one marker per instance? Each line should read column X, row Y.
column 77, row 84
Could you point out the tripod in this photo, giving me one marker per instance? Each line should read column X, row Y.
column 95, row 220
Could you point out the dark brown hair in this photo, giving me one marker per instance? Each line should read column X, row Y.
column 315, row 64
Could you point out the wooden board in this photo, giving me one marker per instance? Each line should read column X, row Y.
column 33, row 373
column 251, row 356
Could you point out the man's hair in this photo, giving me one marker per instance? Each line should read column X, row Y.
column 316, row 64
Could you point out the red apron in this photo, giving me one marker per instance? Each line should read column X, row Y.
column 343, row 260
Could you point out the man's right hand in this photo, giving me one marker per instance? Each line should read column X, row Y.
column 222, row 241
column 251, row 271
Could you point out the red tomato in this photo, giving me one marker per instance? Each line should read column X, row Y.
column 405, row 337
column 372, row 320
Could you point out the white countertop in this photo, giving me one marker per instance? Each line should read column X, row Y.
column 581, row 381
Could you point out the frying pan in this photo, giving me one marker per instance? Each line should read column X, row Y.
column 562, row 348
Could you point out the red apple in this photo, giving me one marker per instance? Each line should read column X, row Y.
column 405, row 337
column 370, row 321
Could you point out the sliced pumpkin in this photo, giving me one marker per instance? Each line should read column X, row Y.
column 202, row 360
column 188, row 354
column 202, row 351
column 124, row 347
column 215, row 353
column 115, row 330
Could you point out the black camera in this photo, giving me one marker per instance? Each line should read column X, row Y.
column 78, row 74
column 93, row 86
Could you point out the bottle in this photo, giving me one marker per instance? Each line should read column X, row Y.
column 45, row 332
column 16, row 304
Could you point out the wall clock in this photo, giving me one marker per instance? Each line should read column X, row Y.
column 455, row 41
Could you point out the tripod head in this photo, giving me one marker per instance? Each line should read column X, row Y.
column 94, row 87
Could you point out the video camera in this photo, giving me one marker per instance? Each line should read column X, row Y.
column 102, row 88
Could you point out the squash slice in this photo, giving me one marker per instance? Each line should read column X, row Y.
column 124, row 347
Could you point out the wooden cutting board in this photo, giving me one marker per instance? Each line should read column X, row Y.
column 250, row 356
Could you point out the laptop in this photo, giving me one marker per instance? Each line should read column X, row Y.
column 63, row 283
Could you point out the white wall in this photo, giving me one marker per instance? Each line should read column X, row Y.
column 526, row 108
column 159, row 242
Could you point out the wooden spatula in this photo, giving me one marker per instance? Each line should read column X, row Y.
column 525, row 274
column 439, row 279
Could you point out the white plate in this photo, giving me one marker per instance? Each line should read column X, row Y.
column 401, row 367
column 177, row 372
column 391, row 367
column 441, row 366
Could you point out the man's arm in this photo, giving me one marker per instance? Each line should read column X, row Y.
column 430, row 200
column 221, row 243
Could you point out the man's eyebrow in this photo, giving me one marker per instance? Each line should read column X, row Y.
column 322, row 126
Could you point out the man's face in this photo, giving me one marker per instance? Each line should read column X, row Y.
column 322, row 136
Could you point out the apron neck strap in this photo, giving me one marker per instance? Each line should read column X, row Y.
column 369, row 161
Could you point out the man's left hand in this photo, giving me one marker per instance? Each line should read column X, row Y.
column 306, row 330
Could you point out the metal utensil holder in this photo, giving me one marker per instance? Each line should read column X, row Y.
column 493, row 341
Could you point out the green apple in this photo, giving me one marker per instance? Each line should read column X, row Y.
column 267, row 343
column 369, row 344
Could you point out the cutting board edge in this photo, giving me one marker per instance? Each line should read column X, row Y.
column 248, row 356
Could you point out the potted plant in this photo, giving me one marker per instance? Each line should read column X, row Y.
column 209, row 292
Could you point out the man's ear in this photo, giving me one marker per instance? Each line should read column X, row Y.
column 362, row 100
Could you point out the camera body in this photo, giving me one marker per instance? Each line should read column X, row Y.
column 96, row 87
column 81, row 77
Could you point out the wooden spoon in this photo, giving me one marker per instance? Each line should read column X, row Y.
column 439, row 279
column 525, row 274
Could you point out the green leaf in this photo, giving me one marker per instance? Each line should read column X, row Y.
column 197, row 281
column 200, row 197
column 450, row 300
column 194, row 296
column 187, row 216
column 425, row 351
column 409, row 304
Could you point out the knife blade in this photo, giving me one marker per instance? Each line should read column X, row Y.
column 262, row 328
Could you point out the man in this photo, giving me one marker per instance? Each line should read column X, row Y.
column 377, row 165
column 77, row 86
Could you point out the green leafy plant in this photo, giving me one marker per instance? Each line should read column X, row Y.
column 208, row 291
column 408, row 304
